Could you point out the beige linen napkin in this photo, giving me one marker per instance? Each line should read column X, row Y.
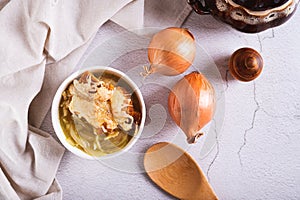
column 166, row 13
column 38, row 38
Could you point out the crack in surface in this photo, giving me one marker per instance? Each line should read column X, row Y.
column 274, row 116
column 226, row 79
column 264, row 38
column 260, row 43
column 251, row 127
column 286, row 117
column 270, row 37
column 217, row 153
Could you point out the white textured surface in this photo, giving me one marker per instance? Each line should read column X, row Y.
column 257, row 156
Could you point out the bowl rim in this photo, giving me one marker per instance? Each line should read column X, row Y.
column 266, row 12
column 55, row 112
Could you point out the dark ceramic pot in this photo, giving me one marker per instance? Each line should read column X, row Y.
column 250, row 16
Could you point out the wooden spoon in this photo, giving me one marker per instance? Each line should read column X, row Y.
column 177, row 172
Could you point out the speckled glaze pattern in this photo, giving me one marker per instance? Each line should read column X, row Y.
column 249, row 18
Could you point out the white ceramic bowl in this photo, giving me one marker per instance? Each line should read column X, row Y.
column 55, row 111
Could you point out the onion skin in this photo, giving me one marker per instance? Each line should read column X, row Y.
column 192, row 104
column 171, row 51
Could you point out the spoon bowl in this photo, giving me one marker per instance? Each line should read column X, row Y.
column 176, row 172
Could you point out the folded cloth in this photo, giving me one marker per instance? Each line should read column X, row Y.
column 41, row 42
column 38, row 38
column 166, row 13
